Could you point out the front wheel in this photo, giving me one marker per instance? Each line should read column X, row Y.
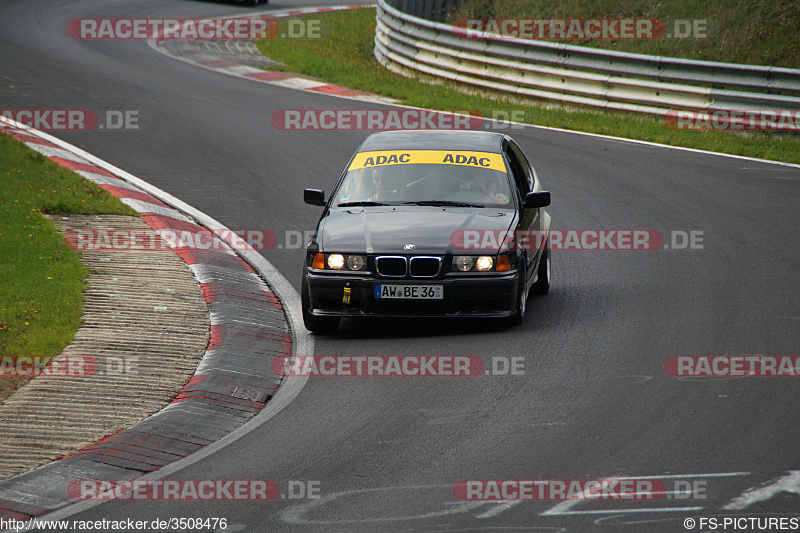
column 316, row 324
column 542, row 284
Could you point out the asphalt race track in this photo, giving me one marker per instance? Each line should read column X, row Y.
column 594, row 400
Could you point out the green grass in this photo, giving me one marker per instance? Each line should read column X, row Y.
column 41, row 279
column 346, row 58
column 763, row 32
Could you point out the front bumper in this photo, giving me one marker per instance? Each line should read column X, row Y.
column 463, row 296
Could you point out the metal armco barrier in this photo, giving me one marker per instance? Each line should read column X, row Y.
column 573, row 75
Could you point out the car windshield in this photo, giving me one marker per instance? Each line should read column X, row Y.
column 466, row 179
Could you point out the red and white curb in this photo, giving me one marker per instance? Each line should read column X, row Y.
column 251, row 323
column 186, row 51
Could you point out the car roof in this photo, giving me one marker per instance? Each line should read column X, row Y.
column 480, row 141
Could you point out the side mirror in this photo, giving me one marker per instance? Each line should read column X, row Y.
column 534, row 200
column 314, row 196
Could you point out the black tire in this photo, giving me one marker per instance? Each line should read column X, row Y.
column 542, row 284
column 522, row 298
column 251, row 3
column 316, row 324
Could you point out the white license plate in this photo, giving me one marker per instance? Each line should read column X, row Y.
column 385, row 291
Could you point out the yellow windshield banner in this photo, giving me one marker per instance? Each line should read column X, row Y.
column 429, row 157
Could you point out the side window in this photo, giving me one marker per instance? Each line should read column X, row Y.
column 524, row 165
column 517, row 171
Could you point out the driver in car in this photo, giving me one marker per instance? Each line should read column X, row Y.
column 377, row 181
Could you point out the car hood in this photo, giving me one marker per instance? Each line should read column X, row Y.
column 385, row 230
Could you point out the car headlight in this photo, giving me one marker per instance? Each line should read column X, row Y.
column 339, row 262
column 464, row 263
column 336, row 261
column 482, row 263
column 356, row 262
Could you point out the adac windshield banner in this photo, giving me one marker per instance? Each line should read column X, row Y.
column 428, row 157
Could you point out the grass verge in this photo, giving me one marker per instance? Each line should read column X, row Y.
column 344, row 57
column 766, row 32
column 41, row 278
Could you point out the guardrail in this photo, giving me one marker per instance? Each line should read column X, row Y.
column 575, row 75
column 435, row 10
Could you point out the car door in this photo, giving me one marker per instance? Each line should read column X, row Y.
column 529, row 219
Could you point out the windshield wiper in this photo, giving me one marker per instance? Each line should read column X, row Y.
column 360, row 204
column 442, row 203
